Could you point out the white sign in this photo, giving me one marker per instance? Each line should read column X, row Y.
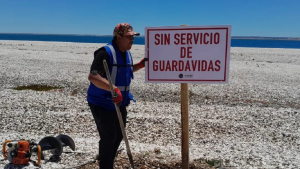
column 187, row 54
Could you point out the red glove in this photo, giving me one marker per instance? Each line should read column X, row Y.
column 118, row 97
column 142, row 62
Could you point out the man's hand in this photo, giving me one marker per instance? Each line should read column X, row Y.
column 118, row 97
column 142, row 62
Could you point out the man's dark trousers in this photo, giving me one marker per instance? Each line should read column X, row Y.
column 110, row 133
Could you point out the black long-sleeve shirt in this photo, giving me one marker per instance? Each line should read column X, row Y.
column 99, row 56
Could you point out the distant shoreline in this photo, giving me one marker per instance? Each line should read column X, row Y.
column 267, row 38
column 232, row 37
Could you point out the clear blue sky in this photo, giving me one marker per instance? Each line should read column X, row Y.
column 274, row 18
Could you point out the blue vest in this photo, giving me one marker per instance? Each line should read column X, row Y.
column 121, row 75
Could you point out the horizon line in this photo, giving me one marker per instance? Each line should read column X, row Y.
column 144, row 35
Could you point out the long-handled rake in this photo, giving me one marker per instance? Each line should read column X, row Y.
column 119, row 114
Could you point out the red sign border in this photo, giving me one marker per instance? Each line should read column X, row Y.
column 199, row 80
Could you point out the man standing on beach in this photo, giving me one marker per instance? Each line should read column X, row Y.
column 100, row 100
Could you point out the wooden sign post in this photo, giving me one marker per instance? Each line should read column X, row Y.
column 184, row 124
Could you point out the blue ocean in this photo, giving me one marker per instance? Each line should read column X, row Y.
column 235, row 42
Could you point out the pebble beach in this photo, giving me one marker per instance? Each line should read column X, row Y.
column 251, row 122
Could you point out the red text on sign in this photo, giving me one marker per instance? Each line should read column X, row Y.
column 196, row 38
column 185, row 52
column 188, row 65
column 162, row 39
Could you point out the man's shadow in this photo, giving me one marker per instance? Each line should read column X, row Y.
column 12, row 166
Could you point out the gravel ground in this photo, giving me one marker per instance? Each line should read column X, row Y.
column 252, row 122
